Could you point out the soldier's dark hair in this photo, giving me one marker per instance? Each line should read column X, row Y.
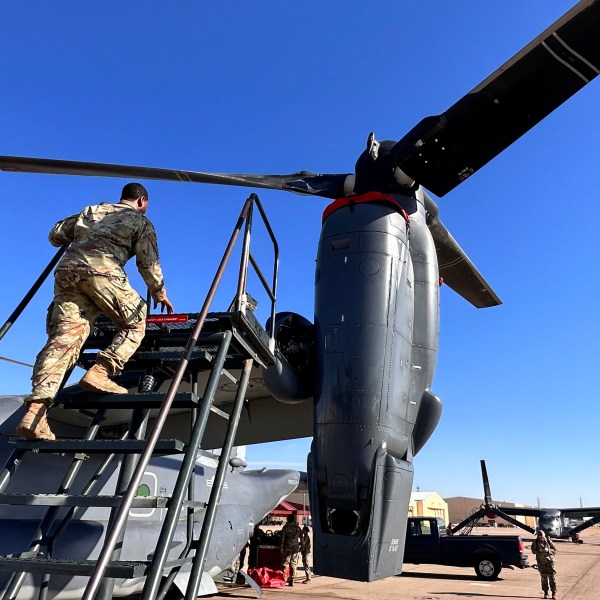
column 133, row 190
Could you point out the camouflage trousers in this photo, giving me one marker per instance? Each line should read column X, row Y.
column 290, row 559
column 547, row 572
column 78, row 300
column 306, row 564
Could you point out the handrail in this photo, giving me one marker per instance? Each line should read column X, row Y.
column 32, row 291
column 247, row 258
column 122, row 513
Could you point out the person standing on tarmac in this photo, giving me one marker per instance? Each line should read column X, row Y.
column 90, row 280
column 544, row 551
column 305, row 549
column 291, row 537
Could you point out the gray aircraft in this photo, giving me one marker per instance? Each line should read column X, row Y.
column 359, row 380
column 247, row 497
column 558, row 523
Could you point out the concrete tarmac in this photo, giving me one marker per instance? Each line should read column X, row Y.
column 577, row 566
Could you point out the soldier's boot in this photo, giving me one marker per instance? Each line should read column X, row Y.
column 96, row 380
column 291, row 580
column 545, row 593
column 308, row 577
column 34, row 425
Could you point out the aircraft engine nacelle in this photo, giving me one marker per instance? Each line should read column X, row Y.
column 376, row 278
column 290, row 379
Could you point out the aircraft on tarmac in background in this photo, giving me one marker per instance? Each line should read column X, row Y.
column 555, row 522
column 359, row 380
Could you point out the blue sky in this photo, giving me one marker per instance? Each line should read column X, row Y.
column 274, row 87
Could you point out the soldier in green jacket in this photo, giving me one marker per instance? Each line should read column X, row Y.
column 89, row 280
column 291, row 537
column 544, row 551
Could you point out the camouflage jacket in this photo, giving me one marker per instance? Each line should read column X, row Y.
column 543, row 549
column 104, row 237
column 291, row 534
column 305, row 546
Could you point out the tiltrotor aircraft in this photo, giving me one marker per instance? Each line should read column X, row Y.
column 359, row 379
column 555, row 522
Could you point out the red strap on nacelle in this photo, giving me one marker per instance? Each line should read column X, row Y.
column 368, row 197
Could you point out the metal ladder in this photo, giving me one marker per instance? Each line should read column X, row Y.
column 469, row 527
column 239, row 340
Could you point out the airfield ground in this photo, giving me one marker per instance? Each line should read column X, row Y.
column 578, row 578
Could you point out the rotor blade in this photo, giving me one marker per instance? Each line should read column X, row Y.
column 471, row 518
column 302, row 182
column 444, row 150
column 516, row 523
column 455, row 267
column 487, row 494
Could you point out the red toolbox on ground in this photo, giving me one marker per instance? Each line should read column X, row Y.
column 269, row 556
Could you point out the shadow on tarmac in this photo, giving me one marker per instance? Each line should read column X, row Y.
column 472, row 595
column 423, row 575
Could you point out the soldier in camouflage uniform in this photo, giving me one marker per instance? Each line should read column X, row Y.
column 291, row 537
column 90, row 280
column 544, row 551
column 305, row 549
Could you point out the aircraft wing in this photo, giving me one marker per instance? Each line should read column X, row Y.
column 263, row 419
column 587, row 523
column 580, row 512
column 521, row 510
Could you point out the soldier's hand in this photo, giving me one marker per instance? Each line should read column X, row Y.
column 165, row 304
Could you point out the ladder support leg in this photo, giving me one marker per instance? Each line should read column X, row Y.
column 215, row 494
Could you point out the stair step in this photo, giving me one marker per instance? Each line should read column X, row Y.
column 172, row 354
column 100, row 446
column 116, row 568
column 93, row 401
column 201, row 357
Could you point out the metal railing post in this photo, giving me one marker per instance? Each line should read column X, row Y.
column 217, row 486
column 31, row 293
